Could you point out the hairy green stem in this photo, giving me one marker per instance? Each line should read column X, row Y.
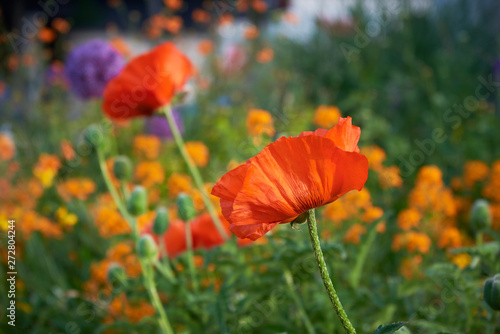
column 318, row 253
column 195, row 173
column 155, row 298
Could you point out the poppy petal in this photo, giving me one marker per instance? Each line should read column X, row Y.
column 293, row 175
column 252, row 232
column 345, row 135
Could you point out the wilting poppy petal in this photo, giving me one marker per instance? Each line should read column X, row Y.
column 148, row 82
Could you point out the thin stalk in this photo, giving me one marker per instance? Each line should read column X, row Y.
column 318, row 253
column 195, row 173
column 148, row 276
column 155, row 298
column 189, row 245
column 298, row 302
column 362, row 256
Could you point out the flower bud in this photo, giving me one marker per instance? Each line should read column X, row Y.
column 185, row 207
column 147, row 248
column 480, row 215
column 160, row 224
column 122, row 168
column 95, row 136
column 117, row 275
column 138, row 201
column 492, row 292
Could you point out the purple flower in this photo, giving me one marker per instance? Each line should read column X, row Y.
column 90, row 66
column 158, row 125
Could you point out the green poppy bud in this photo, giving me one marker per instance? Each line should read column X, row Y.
column 147, row 248
column 492, row 292
column 122, row 168
column 138, row 201
column 185, row 207
column 480, row 215
column 160, row 224
column 95, row 136
column 117, row 275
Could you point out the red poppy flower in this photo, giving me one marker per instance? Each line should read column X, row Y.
column 148, row 82
column 289, row 177
column 175, row 238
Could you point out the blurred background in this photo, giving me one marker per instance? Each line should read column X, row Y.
column 421, row 78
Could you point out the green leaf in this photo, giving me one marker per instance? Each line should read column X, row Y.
column 389, row 328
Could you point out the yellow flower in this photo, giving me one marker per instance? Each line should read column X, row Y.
column 198, row 152
column 259, row 122
column 46, row 169
column 178, row 183
column 326, row 116
column 66, row 218
column 461, row 260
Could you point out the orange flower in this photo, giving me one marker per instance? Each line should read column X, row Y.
column 375, row 155
column 251, row 32
column 147, row 145
column 121, row 46
column 7, row 147
column 178, row 183
column 450, row 238
column 47, row 35
column 390, row 177
column 259, row 122
column 173, row 4
column 147, row 82
column 173, row 24
column 61, row 25
column 259, row 6
column 291, row 176
column 410, row 266
column 409, row 218
column 326, row 116
column 46, row 168
column 200, row 16
column 412, row 241
column 290, row 18
column 353, row 234
column 205, row 47
column 109, row 222
column 198, row 152
column 265, row 55
column 149, row 173
column 475, row 171
column 77, row 188
column 67, row 150
column 372, row 213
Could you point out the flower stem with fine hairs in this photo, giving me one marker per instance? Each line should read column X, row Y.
column 195, row 173
column 318, row 253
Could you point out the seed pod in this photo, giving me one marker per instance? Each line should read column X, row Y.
column 95, row 136
column 185, row 207
column 160, row 224
column 480, row 215
column 122, row 168
column 138, row 201
column 492, row 292
column 147, row 248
